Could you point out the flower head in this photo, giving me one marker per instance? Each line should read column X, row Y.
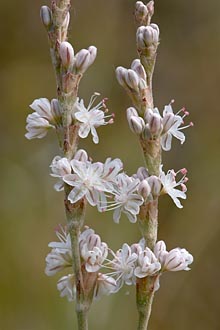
column 91, row 117
column 60, row 256
column 105, row 285
column 125, row 199
column 60, row 167
column 173, row 260
column 46, row 115
column 123, row 265
column 169, row 185
column 92, row 180
column 66, row 286
column 37, row 126
column 93, row 251
column 147, row 264
column 172, row 126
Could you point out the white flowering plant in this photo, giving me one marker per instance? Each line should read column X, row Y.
column 94, row 269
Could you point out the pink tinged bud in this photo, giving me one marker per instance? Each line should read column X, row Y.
column 46, row 16
column 138, row 68
column 150, row 7
column 144, row 189
column 84, row 58
column 136, row 124
column 81, row 155
column 155, row 124
column 93, row 53
column 142, row 173
column 120, row 75
column 132, row 79
column 66, row 54
column 131, row 112
column 141, row 11
column 155, row 185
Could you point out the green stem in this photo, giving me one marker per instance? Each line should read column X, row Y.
column 144, row 296
column 67, row 89
column 148, row 216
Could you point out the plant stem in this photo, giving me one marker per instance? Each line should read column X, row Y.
column 67, row 89
column 148, row 216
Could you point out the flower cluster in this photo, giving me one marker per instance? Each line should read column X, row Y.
column 46, row 115
column 153, row 125
column 93, row 253
column 126, row 265
column 91, row 117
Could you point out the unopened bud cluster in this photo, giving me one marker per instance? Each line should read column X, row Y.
column 154, row 125
column 143, row 13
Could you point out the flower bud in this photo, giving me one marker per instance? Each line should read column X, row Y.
column 155, row 124
column 85, row 58
column 132, row 79
column 120, row 74
column 155, row 185
column 140, row 12
column 144, row 189
column 93, row 53
column 147, row 36
column 46, row 16
column 138, row 68
column 146, row 132
column 142, row 173
column 82, row 60
column 150, row 8
column 131, row 112
column 136, row 124
column 66, row 54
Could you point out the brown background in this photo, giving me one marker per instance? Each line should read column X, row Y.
column 188, row 70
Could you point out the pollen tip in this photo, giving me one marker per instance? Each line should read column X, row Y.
column 183, row 171
column 191, row 124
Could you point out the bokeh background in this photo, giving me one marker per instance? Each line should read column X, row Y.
column 188, row 70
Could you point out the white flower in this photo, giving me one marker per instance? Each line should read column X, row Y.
column 123, row 265
column 66, row 286
column 169, row 185
column 37, row 126
column 64, row 243
column 125, row 199
column 60, row 167
column 43, row 108
column 92, row 180
column 174, row 260
column 60, row 256
column 94, row 252
column 46, row 115
column 91, row 117
column 105, row 285
column 171, row 126
column 147, row 264
column 56, row 261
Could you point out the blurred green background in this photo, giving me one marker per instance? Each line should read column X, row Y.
column 188, row 70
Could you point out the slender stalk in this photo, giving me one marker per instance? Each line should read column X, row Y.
column 67, row 89
column 148, row 216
